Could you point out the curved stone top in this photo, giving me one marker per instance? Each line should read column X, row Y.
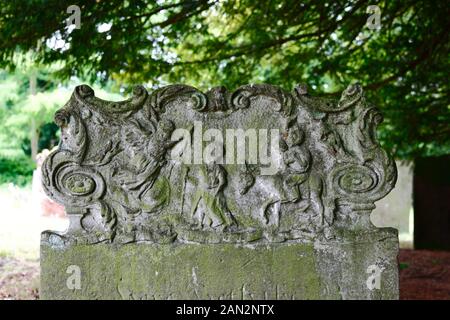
column 258, row 164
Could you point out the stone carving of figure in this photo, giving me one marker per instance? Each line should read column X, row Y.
column 210, row 200
column 297, row 159
column 146, row 160
column 247, row 178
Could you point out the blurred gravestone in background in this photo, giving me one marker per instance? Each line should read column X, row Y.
column 396, row 209
column 43, row 205
column 432, row 203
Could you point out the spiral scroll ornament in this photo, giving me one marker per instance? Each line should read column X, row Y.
column 76, row 185
column 240, row 98
column 198, row 101
column 160, row 98
column 357, row 183
column 355, row 179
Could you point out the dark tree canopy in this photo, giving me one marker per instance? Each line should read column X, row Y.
column 403, row 65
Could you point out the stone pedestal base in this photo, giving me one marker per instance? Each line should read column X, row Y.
column 363, row 268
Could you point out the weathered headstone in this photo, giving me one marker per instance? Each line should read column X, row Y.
column 252, row 194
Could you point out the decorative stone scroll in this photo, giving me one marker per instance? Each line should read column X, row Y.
column 140, row 170
column 114, row 173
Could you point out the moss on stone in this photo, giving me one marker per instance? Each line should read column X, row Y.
column 144, row 271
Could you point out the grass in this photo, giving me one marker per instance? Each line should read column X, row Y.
column 403, row 265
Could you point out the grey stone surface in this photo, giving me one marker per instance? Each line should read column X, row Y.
column 330, row 270
column 132, row 180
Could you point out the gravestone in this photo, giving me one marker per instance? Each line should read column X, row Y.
column 253, row 194
column 396, row 209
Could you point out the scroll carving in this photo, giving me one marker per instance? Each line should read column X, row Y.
column 119, row 171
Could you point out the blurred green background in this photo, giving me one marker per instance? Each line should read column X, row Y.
column 398, row 50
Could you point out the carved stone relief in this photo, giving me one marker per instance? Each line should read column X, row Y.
column 119, row 168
